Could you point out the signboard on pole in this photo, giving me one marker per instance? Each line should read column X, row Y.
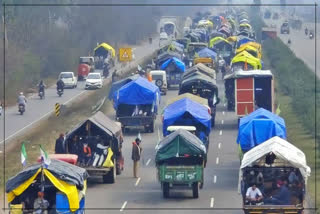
column 125, row 54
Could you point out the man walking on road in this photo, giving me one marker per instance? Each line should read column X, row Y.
column 136, row 154
column 60, row 145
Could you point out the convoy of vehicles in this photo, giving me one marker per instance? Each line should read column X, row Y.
column 94, row 146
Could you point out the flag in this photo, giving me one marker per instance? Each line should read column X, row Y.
column 44, row 157
column 278, row 111
column 139, row 136
column 246, row 65
column 23, row 155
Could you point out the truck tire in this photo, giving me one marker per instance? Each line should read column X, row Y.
column 151, row 128
column 166, row 190
column 110, row 178
column 195, row 190
column 213, row 121
column 118, row 170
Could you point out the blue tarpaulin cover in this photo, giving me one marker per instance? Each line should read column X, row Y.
column 258, row 127
column 207, row 53
column 174, row 112
column 180, row 65
column 244, row 40
column 117, row 85
column 137, row 92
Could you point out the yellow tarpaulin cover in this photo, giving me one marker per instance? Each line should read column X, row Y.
column 244, row 56
column 69, row 190
column 245, row 25
column 254, row 44
column 232, row 39
column 107, row 47
column 108, row 162
column 249, row 49
column 205, row 23
column 16, row 208
column 217, row 39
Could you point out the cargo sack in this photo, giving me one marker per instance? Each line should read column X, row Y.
column 108, row 162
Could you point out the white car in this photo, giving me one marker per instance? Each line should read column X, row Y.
column 70, row 81
column 159, row 78
column 94, row 80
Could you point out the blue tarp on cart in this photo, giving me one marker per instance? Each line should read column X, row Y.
column 118, row 84
column 137, row 92
column 244, row 40
column 207, row 53
column 258, row 127
column 180, row 65
column 173, row 114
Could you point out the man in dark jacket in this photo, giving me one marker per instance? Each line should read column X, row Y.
column 60, row 145
column 136, row 154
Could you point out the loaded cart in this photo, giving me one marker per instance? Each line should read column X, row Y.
column 180, row 161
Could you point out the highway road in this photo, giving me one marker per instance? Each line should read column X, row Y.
column 12, row 124
column 143, row 195
column 301, row 45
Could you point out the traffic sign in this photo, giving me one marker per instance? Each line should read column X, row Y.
column 57, row 109
column 125, row 54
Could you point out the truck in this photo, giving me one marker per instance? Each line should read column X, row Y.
column 86, row 65
column 136, row 104
column 275, row 160
column 180, row 162
column 98, row 143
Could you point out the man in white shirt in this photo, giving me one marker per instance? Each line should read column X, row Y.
column 253, row 195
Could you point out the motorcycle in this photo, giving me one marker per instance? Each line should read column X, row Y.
column 59, row 92
column 41, row 94
column 311, row 36
column 21, row 109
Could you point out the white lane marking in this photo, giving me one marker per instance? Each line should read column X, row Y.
column 219, row 145
column 45, row 115
column 222, row 121
column 220, row 133
column 123, row 206
column 137, row 182
column 148, row 162
column 217, row 160
column 223, row 112
column 212, row 203
column 214, row 179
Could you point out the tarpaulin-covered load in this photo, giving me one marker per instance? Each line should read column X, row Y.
column 258, row 127
column 216, row 40
column 245, row 57
column 177, row 62
column 189, row 96
column 196, row 114
column 205, row 23
column 287, row 155
column 198, row 80
column 243, row 40
column 226, row 31
column 254, row 44
column 207, row 53
column 193, row 36
column 118, row 84
column 250, row 49
column 138, row 92
column 245, row 26
column 179, row 144
column 202, row 33
column 100, row 121
column 67, row 178
column 175, row 47
column 215, row 34
column 103, row 50
column 167, row 55
column 200, row 68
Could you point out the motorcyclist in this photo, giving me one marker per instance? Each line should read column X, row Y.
column 60, row 84
column 22, row 100
column 289, row 41
column 41, row 87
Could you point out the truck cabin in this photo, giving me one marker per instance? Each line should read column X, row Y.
column 127, row 110
column 169, row 28
column 270, row 182
column 86, row 60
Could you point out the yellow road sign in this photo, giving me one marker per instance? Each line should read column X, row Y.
column 125, row 54
column 57, row 109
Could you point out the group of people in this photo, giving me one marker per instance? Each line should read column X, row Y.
column 286, row 187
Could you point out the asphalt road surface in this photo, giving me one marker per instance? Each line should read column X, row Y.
column 301, row 45
column 13, row 124
column 144, row 194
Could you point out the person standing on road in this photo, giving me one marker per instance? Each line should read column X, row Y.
column 136, row 155
column 1, row 108
column 60, row 145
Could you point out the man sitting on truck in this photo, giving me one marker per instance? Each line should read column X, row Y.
column 253, row 195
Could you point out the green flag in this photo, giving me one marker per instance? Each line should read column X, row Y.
column 23, row 155
column 278, row 111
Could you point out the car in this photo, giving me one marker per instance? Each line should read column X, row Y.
column 159, row 78
column 94, row 80
column 70, row 81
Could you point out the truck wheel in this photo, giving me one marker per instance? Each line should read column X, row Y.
column 213, row 121
column 195, row 190
column 118, row 170
column 151, row 128
column 166, row 191
column 110, row 178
